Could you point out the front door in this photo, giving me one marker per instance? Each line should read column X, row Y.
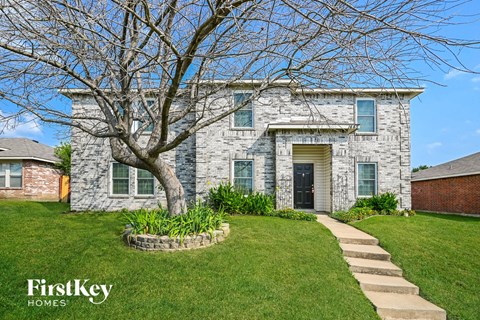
column 303, row 185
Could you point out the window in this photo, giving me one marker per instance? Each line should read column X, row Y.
column 367, row 179
column 120, row 178
column 242, row 118
column 145, row 182
column 11, row 175
column 243, row 175
column 142, row 114
column 366, row 115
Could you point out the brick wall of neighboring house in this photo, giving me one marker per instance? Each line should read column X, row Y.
column 456, row 195
column 40, row 181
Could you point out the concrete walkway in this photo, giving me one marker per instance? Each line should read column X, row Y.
column 380, row 280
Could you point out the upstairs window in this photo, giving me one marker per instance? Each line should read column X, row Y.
column 366, row 179
column 243, row 175
column 366, row 115
column 144, row 115
column 11, row 175
column 145, row 182
column 243, row 118
column 120, row 179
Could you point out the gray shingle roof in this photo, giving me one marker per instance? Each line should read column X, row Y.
column 461, row 167
column 22, row 148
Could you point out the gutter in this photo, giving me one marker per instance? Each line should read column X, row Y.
column 447, row 176
column 28, row 158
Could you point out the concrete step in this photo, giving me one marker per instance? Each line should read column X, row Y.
column 404, row 306
column 364, row 251
column 356, row 239
column 385, row 268
column 378, row 283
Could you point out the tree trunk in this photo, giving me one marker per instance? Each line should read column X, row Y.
column 173, row 187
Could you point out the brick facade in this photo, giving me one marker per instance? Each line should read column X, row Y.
column 455, row 195
column 40, row 181
column 205, row 159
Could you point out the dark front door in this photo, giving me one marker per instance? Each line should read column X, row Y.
column 303, row 185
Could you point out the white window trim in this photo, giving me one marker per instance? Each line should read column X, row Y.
column 8, row 174
column 232, row 172
column 144, row 195
column 374, row 115
column 111, row 182
column 356, row 179
column 232, row 122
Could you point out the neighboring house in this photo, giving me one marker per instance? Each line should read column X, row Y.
column 316, row 149
column 450, row 187
column 27, row 170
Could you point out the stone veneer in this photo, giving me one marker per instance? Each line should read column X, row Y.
column 148, row 242
column 205, row 159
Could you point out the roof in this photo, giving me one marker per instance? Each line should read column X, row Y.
column 465, row 166
column 22, row 148
column 411, row 92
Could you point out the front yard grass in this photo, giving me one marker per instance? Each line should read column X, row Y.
column 268, row 268
column 439, row 253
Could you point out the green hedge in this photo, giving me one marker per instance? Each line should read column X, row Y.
column 230, row 200
column 382, row 204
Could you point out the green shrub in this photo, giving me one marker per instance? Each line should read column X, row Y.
column 385, row 202
column 198, row 219
column 289, row 213
column 225, row 197
column 363, row 203
column 382, row 204
column 258, row 204
column 353, row 214
column 344, row 216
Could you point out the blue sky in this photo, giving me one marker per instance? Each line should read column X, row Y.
column 445, row 120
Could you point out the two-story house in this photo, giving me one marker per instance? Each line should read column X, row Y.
column 318, row 149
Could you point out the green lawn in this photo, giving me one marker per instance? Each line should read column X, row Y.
column 439, row 253
column 268, row 268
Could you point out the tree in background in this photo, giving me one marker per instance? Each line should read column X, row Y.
column 64, row 153
column 419, row 168
column 123, row 52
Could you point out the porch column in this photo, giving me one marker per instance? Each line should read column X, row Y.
column 283, row 171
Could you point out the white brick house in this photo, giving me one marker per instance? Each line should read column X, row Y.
column 315, row 149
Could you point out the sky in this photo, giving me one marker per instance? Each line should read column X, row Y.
column 445, row 119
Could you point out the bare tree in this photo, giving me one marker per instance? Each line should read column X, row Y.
column 123, row 52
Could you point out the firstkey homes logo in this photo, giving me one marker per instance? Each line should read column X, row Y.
column 44, row 294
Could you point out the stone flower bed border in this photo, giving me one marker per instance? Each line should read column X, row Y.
column 148, row 242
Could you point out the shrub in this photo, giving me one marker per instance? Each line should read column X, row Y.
column 198, row 219
column 290, row 213
column 353, row 214
column 385, row 202
column 225, row 197
column 258, row 204
column 363, row 203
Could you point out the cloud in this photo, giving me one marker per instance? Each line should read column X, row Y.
column 25, row 126
column 453, row 73
column 477, row 131
column 432, row 146
column 476, row 79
